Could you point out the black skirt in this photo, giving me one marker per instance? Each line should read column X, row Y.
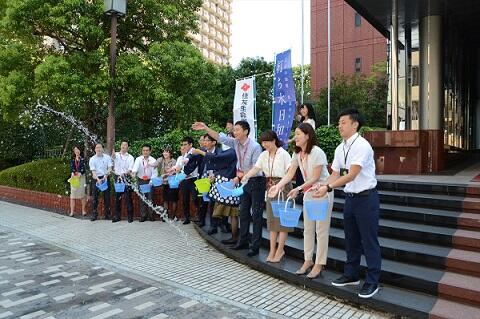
column 169, row 194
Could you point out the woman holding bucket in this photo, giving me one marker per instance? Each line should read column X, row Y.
column 77, row 180
column 274, row 163
column 313, row 165
column 165, row 166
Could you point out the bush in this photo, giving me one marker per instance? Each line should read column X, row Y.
column 47, row 175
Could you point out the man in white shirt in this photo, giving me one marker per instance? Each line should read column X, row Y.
column 144, row 171
column 101, row 166
column 122, row 167
column 354, row 167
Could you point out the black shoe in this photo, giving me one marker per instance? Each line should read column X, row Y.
column 142, row 220
column 94, row 218
column 230, row 241
column 240, row 246
column 345, row 281
column 201, row 224
column 130, row 220
column 186, row 222
column 252, row 252
column 116, row 220
column 368, row 290
column 212, row 231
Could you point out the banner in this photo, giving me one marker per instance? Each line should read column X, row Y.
column 244, row 104
column 283, row 96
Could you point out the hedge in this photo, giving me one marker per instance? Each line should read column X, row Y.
column 46, row 175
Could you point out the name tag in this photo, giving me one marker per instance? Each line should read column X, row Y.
column 343, row 171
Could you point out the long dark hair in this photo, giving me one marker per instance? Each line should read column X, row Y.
column 73, row 151
column 312, row 139
column 270, row 136
column 311, row 111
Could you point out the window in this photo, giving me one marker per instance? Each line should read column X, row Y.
column 358, row 20
column 415, row 75
column 358, row 65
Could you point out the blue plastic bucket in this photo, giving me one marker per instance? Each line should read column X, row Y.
column 225, row 189
column 119, row 187
column 157, row 181
column 174, row 180
column 316, row 209
column 145, row 188
column 289, row 217
column 205, row 197
column 236, row 192
column 277, row 205
column 103, row 186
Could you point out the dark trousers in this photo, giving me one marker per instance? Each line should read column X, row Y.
column 188, row 191
column 253, row 199
column 106, row 200
column 360, row 217
column 127, row 194
column 206, row 208
column 145, row 211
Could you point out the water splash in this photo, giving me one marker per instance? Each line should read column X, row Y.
column 94, row 139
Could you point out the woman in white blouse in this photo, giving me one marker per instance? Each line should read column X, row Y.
column 313, row 165
column 307, row 114
column 274, row 163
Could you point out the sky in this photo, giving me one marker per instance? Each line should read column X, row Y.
column 262, row 28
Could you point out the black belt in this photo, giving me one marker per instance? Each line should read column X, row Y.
column 363, row 193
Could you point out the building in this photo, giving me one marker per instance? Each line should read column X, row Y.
column 434, row 80
column 356, row 44
column 213, row 38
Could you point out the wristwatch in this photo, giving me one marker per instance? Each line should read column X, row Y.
column 300, row 189
column 329, row 189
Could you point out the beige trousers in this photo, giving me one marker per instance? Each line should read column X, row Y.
column 322, row 229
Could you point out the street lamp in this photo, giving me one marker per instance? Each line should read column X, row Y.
column 115, row 9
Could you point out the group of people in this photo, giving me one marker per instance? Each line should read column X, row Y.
column 265, row 175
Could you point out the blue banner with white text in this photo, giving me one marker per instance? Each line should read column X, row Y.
column 283, row 96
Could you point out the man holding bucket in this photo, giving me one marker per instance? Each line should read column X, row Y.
column 100, row 165
column 253, row 198
column 122, row 167
column 354, row 167
column 144, row 170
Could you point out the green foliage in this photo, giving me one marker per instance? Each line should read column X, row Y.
column 307, row 82
column 366, row 93
column 49, row 175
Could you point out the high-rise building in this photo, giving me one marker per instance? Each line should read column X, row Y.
column 355, row 44
column 213, row 38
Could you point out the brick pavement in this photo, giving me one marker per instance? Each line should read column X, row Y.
column 66, row 262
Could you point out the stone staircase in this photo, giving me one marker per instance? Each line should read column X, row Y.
column 430, row 241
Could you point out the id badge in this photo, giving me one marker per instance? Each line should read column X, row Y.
column 240, row 174
column 343, row 171
column 145, row 177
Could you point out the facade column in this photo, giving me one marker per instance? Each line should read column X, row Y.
column 394, row 64
column 431, row 73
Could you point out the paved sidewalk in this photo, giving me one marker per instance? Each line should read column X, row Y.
column 174, row 278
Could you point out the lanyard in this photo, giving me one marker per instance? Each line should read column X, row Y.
column 345, row 156
column 145, row 167
column 304, row 169
column 240, row 157
column 273, row 163
column 124, row 162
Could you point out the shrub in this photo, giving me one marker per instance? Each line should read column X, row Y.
column 46, row 175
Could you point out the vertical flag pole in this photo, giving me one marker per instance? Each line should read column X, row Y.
column 273, row 97
column 303, row 53
column 255, row 104
column 329, row 63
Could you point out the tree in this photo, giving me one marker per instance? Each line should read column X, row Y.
column 307, row 86
column 367, row 93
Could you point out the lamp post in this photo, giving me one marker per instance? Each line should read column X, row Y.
column 115, row 9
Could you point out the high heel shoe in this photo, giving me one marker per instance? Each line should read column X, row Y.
column 303, row 271
column 71, row 215
column 313, row 275
column 277, row 260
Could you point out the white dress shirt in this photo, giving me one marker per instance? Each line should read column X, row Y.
column 123, row 163
column 356, row 151
column 100, row 164
column 141, row 167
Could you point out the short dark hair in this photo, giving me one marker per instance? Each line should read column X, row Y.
column 244, row 125
column 188, row 139
column 147, row 145
column 311, row 111
column 270, row 136
column 354, row 115
column 312, row 139
column 230, row 121
column 168, row 149
column 210, row 138
column 124, row 140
